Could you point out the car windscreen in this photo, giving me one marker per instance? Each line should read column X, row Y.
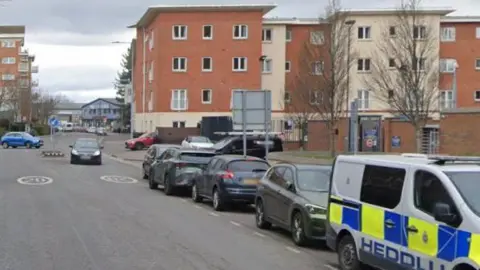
column 199, row 139
column 196, row 157
column 86, row 145
column 163, row 148
column 313, row 179
column 248, row 166
column 467, row 184
column 222, row 143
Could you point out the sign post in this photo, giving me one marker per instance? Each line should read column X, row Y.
column 353, row 136
column 53, row 123
column 252, row 111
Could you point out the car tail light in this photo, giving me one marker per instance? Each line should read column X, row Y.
column 228, row 175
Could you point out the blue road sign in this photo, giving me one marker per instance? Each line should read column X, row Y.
column 53, row 122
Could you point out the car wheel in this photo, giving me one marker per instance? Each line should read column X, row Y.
column 347, row 254
column 139, row 146
column 218, row 204
column 5, row 145
column 145, row 175
column 151, row 183
column 38, row 146
column 72, row 161
column 195, row 196
column 28, row 145
column 99, row 162
column 260, row 216
column 167, row 188
column 298, row 230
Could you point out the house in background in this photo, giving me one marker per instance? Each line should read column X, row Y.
column 68, row 111
column 101, row 111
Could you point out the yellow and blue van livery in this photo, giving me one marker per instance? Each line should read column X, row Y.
column 400, row 237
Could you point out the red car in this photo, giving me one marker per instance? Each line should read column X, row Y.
column 142, row 142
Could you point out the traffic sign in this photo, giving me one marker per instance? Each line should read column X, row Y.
column 53, row 122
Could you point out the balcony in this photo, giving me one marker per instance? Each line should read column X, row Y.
column 35, row 83
column 23, row 67
column 34, row 69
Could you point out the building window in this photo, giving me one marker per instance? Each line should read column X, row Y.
column 207, row 32
column 151, row 41
column 8, row 43
column 317, row 37
column 179, row 32
column 239, row 64
column 267, row 66
column 267, row 35
column 8, row 77
column 363, row 64
column 447, row 34
column 150, row 72
column 178, row 124
column 392, row 31
column 476, row 95
column 207, row 64
column 8, row 60
column 287, row 98
column 179, row 64
column 179, row 100
column 207, row 96
column 317, row 68
column 477, row 32
column 288, row 35
column 364, row 32
column 419, row 65
column 363, row 99
column 446, row 99
column 240, row 31
column 391, row 63
column 477, row 64
column 447, row 65
column 314, row 97
column 288, row 66
column 419, row 32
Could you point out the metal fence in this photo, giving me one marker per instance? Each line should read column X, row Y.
column 289, row 131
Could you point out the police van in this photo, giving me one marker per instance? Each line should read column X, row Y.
column 405, row 212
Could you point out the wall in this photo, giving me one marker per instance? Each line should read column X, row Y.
column 176, row 135
column 276, row 51
column 460, row 132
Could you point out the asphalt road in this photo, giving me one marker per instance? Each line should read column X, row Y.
column 80, row 221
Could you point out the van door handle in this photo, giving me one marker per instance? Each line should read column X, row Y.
column 412, row 229
column 389, row 223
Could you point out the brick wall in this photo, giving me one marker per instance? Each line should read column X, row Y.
column 175, row 135
column 318, row 136
column 460, row 132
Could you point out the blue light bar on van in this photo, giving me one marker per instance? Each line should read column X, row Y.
column 440, row 160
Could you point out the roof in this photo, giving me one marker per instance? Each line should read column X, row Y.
column 12, row 29
column 69, row 106
column 112, row 101
column 392, row 11
column 460, row 19
column 293, row 21
column 152, row 11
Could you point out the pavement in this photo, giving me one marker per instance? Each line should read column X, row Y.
column 105, row 218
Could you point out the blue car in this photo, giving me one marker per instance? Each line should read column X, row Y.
column 22, row 139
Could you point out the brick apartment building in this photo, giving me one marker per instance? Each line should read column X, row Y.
column 16, row 71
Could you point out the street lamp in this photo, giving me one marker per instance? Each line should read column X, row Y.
column 131, row 88
column 351, row 136
column 454, row 85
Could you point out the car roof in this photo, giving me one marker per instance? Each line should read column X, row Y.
column 193, row 150
column 229, row 158
column 306, row 166
column 165, row 145
column 86, row 139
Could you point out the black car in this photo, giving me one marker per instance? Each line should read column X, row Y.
column 87, row 151
column 175, row 168
column 233, row 145
column 153, row 153
column 229, row 179
column 294, row 197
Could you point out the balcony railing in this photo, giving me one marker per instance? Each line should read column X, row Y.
column 35, row 83
column 23, row 67
column 34, row 69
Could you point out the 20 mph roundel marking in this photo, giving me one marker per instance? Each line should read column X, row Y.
column 119, row 179
column 35, row 180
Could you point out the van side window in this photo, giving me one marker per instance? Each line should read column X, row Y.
column 428, row 191
column 382, row 186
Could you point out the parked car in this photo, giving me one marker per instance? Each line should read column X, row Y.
column 197, row 142
column 101, row 131
column 142, row 142
column 295, row 198
column 233, row 145
column 176, row 168
column 153, row 154
column 229, row 179
column 20, row 139
column 86, row 150
column 68, row 127
column 91, row 129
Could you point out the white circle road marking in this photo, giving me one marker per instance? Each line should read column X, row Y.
column 118, row 179
column 35, row 180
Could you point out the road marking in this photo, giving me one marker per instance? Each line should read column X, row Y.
column 35, row 180
column 198, row 207
column 213, row 214
column 259, row 234
column 235, row 223
column 330, row 267
column 294, row 250
column 118, row 179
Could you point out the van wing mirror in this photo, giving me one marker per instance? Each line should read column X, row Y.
column 443, row 212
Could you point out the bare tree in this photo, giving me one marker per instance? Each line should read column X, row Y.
column 321, row 83
column 44, row 104
column 405, row 71
column 8, row 92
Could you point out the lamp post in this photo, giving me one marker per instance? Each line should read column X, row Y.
column 351, row 137
column 454, row 85
column 131, row 88
column 262, row 62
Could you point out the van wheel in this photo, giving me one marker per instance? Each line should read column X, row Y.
column 347, row 254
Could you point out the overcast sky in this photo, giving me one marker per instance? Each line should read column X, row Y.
column 72, row 38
